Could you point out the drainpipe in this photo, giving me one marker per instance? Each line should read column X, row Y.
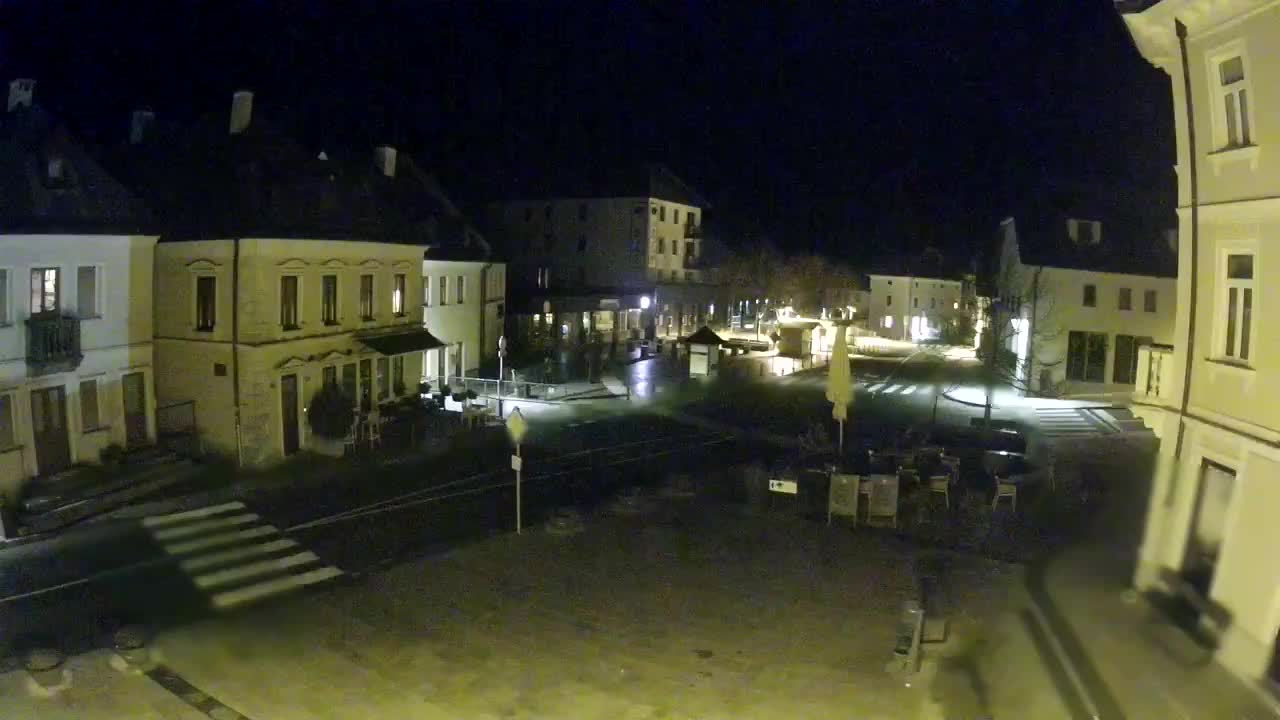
column 1195, row 242
column 235, row 346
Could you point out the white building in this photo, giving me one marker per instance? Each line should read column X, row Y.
column 1211, row 527
column 1086, row 300
column 75, row 303
column 911, row 307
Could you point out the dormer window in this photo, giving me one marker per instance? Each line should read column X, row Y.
column 1084, row 232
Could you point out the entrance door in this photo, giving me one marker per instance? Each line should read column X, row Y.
column 1126, row 360
column 289, row 413
column 135, row 409
column 49, row 424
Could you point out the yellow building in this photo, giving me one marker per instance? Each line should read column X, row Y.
column 281, row 269
column 1211, row 526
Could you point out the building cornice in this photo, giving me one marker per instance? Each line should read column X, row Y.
column 1153, row 28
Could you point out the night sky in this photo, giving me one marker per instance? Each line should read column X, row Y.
column 856, row 129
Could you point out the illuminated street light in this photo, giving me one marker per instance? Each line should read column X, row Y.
column 645, row 302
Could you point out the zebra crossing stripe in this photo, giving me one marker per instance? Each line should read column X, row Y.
column 232, row 598
column 213, row 541
column 226, row 556
column 159, row 520
column 255, row 569
column 196, row 528
column 908, row 390
column 875, row 388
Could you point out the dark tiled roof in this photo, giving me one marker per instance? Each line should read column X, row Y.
column 1134, row 6
column 206, row 183
column 611, row 179
column 704, row 336
column 86, row 200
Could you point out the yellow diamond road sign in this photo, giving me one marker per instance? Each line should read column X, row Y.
column 516, row 426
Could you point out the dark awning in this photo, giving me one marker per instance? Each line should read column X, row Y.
column 399, row 343
column 704, row 336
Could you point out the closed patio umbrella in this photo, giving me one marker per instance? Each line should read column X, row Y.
column 839, row 382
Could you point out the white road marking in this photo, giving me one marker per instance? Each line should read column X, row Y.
column 892, row 389
column 225, row 556
column 908, row 390
column 213, row 541
column 159, row 520
column 198, row 527
column 254, row 569
column 239, row 596
column 875, row 388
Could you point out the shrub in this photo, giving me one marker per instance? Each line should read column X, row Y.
column 330, row 413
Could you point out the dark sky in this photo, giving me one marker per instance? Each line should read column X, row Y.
column 854, row 128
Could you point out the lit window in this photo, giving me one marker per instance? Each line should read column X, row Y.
column 888, row 321
column 1238, row 306
column 45, row 290
column 397, row 295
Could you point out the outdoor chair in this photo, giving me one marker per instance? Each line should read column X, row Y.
column 1005, row 490
column 350, row 440
column 373, row 430
column 941, row 484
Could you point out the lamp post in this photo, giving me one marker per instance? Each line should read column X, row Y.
column 502, row 352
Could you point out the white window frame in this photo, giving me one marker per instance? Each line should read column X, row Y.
column 299, row 292
column 373, row 297
column 461, row 289
column 1222, row 309
column 99, row 278
column 398, row 294
column 444, row 290
column 426, row 291
column 12, row 420
column 337, row 299
column 1213, row 62
column 6, row 302
column 195, row 300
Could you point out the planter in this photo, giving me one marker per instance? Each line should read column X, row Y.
column 328, row 447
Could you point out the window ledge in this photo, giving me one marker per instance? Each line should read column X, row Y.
column 1243, row 153
column 1231, row 365
column 203, row 330
column 290, row 328
column 100, row 428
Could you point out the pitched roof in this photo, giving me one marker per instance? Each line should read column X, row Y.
column 704, row 336
column 84, row 199
column 207, row 183
column 610, row 179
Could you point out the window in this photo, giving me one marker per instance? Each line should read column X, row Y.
column 888, row 301
column 582, row 211
column 206, row 302
column 349, row 382
column 546, row 212
column 45, row 295
column 1235, row 131
column 1090, row 295
column 528, row 214
column 1149, row 301
column 675, row 247
column 662, row 213
column 675, row 216
column 582, row 243
column 87, row 292
column 89, row 417
column 1084, row 232
column 662, row 245
column 8, row 436
column 397, row 294
column 888, row 321
column 426, row 291
column 915, row 302
column 397, row 375
column 1125, row 301
column 366, row 297
column 1208, row 525
column 4, row 296
column 1239, row 305
column 329, row 299
column 384, row 380
column 692, row 219
column 329, row 375
column 462, row 289
column 690, row 249
column 289, row 302
column 444, row 290
column 1086, row 356
column 933, row 303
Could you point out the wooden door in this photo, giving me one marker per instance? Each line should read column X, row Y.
column 289, row 413
column 1125, row 368
column 135, row 409
column 49, row 425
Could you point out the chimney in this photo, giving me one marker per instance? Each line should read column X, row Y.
column 384, row 156
column 20, row 92
column 140, row 124
column 241, row 111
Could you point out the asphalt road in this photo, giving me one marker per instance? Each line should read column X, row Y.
column 72, row 590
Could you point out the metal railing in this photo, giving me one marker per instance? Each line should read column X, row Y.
column 486, row 388
column 53, row 342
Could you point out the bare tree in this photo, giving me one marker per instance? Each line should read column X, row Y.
column 1018, row 322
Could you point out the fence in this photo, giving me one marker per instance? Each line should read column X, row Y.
column 491, row 387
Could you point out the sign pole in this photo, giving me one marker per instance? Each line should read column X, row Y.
column 519, row 508
column 502, row 351
column 516, row 428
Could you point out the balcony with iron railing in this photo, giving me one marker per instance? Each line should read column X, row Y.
column 692, row 231
column 1156, row 378
column 53, row 343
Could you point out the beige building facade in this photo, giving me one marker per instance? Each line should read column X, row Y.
column 911, row 308
column 1212, row 517
column 250, row 329
column 463, row 305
